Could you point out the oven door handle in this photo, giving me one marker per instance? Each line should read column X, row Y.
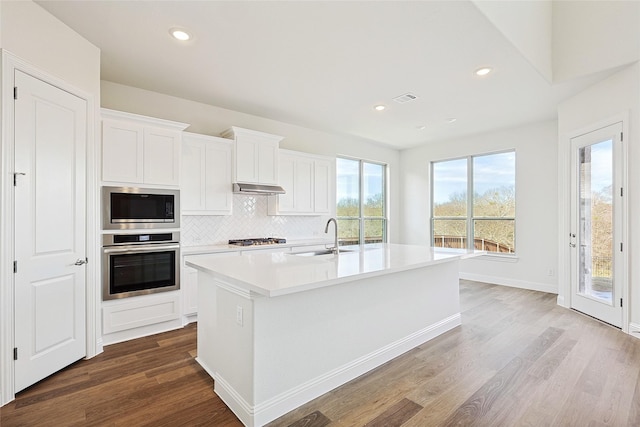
column 139, row 248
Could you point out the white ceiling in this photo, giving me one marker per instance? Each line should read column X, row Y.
column 324, row 65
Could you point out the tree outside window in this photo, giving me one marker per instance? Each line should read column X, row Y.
column 474, row 196
column 361, row 201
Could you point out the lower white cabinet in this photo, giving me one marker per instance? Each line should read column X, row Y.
column 309, row 182
column 189, row 280
column 189, row 284
column 135, row 317
column 206, row 175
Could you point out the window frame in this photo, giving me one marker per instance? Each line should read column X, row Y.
column 470, row 218
column 362, row 218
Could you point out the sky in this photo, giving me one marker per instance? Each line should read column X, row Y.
column 348, row 178
column 489, row 171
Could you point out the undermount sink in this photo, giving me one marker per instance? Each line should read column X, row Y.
column 321, row 252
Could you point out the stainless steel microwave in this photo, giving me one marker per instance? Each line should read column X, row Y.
column 140, row 208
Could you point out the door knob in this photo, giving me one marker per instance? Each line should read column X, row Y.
column 81, row 261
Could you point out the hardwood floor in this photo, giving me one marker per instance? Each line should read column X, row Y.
column 517, row 360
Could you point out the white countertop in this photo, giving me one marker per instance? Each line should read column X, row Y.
column 221, row 248
column 281, row 273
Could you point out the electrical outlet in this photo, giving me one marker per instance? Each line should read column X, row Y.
column 550, row 272
column 239, row 316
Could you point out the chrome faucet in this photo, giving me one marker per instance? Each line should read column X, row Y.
column 335, row 227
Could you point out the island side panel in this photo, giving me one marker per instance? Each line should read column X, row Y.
column 225, row 342
column 311, row 342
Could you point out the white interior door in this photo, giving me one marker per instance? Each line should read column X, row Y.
column 596, row 224
column 50, row 144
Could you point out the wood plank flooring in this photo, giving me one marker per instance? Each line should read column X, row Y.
column 517, row 360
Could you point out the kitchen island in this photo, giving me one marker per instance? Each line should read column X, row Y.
column 276, row 330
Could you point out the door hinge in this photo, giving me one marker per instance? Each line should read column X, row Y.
column 15, row 92
column 15, row 353
column 621, row 191
column 621, row 136
column 15, row 177
column 15, row 266
column 620, row 246
column 620, row 302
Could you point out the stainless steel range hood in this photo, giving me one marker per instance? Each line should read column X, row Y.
column 261, row 189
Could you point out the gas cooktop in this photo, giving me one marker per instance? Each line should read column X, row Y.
column 257, row 241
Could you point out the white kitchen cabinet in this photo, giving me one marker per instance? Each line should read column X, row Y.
column 255, row 156
column 140, row 150
column 324, row 179
column 189, row 284
column 308, row 181
column 129, row 318
column 206, row 175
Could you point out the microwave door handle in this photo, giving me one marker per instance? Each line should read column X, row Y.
column 139, row 248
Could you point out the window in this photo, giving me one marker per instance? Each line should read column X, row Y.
column 361, row 202
column 474, row 196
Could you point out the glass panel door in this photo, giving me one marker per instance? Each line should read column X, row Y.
column 595, row 278
column 596, row 224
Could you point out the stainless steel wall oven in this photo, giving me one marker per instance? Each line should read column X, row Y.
column 140, row 264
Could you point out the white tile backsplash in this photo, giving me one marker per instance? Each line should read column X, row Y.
column 249, row 219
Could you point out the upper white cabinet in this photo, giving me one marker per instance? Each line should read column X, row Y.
column 206, row 175
column 309, row 184
column 140, row 150
column 255, row 156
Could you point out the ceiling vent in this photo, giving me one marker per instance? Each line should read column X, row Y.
column 405, row 98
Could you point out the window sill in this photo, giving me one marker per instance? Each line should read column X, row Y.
column 499, row 258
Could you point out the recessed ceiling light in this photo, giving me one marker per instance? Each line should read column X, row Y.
column 421, row 127
column 379, row 107
column 450, row 120
column 180, row 34
column 483, row 71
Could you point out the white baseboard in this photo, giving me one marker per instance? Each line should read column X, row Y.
column 521, row 284
column 140, row 332
column 264, row 412
column 206, row 368
column 189, row 318
column 634, row 329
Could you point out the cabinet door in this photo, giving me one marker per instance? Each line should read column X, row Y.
column 296, row 177
column 122, row 151
column 193, row 176
column 304, row 185
column 189, row 290
column 287, row 168
column 323, row 177
column 206, row 176
column 246, row 161
column 161, row 156
column 218, row 194
column 189, row 281
column 268, row 162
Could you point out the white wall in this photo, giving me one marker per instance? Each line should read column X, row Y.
column 615, row 96
column 44, row 45
column 592, row 36
column 37, row 37
column 211, row 120
column 536, row 202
